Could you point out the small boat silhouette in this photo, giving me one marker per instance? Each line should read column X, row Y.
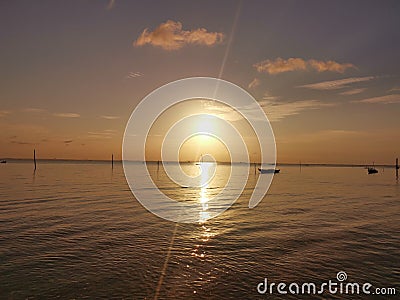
column 268, row 171
column 3, row 161
column 372, row 170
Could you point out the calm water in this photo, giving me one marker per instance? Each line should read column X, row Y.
column 74, row 231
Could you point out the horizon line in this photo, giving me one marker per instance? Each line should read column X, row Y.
column 191, row 162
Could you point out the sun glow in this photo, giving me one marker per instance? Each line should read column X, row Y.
column 203, row 145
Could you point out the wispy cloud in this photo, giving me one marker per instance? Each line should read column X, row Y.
column 255, row 83
column 21, row 143
column 341, row 132
column 133, row 75
column 352, row 92
column 105, row 134
column 66, row 115
column 268, row 97
column 225, row 112
column 277, row 111
column 395, row 89
column 170, row 36
column 336, row 84
column 386, row 99
column 110, row 117
column 273, row 108
column 281, row 65
column 4, row 113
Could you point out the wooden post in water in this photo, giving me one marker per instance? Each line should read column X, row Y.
column 397, row 168
column 112, row 161
column 34, row 158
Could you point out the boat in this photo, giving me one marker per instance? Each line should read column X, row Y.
column 3, row 161
column 269, row 171
column 372, row 170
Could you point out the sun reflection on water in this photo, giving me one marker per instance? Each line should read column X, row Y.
column 204, row 233
column 206, row 169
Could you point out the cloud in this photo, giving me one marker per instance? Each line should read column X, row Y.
column 277, row 111
column 281, row 65
column 268, row 97
column 352, row 92
column 255, row 83
column 274, row 109
column 21, row 143
column 341, row 132
column 336, row 84
column 387, row 99
column 330, row 65
column 170, row 36
column 224, row 112
column 4, row 113
column 395, row 89
column 66, row 115
column 110, row 117
column 105, row 134
column 133, row 75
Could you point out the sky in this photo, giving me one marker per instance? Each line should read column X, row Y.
column 326, row 73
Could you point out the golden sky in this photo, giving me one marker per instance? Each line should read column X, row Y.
column 326, row 74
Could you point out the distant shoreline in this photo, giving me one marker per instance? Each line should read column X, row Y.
column 192, row 162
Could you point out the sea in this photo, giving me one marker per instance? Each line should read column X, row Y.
column 74, row 230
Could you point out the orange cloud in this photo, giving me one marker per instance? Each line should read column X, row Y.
column 109, row 117
column 67, row 115
column 281, row 65
column 386, row 99
column 170, row 36
column 330, row 65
